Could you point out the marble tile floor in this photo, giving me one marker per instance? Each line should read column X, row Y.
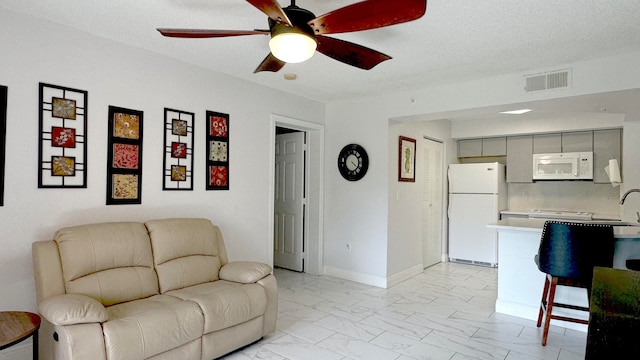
column 447, row 312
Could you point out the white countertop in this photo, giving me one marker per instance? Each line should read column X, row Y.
column 596, row 216
column 535, row 225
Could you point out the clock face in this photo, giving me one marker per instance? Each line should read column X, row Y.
column 353, row 162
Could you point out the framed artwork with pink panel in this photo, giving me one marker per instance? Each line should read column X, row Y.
column 217, row 170
column 124, row 156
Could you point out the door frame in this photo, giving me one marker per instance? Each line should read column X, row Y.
column 313, row 187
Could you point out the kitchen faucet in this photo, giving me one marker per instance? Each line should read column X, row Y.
column 627, row 193
column 625, row 196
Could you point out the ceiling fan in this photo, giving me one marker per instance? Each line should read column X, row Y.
column 296, row 33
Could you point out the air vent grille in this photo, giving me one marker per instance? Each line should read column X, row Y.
column 547, row 81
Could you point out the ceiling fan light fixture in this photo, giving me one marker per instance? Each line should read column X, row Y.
column 292, row 45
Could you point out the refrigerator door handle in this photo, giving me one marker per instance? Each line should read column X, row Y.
column 449, row 206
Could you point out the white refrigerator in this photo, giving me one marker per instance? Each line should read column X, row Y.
column 477, row 194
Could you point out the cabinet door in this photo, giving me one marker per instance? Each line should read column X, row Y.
column 547, row 143
column 606, row 146
column 494, row 146
column 520, row 159
column 470, row 148
column 577, row 141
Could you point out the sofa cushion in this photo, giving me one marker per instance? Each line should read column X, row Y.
column 111, row 262
column 144, row 328
column 224, row 303
column 186, row 252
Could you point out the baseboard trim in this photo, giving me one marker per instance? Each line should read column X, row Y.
column 373, row 280
column 367, row 279
column 18, row 352
column 397, row 278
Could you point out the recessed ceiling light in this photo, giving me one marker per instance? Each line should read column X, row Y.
column 290, row 76
column 516, row 112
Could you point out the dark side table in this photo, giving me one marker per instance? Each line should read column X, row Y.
column 16, row 326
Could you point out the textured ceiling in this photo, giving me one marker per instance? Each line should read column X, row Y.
column 456, row 40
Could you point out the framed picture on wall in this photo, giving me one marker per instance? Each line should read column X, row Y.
column 406, row 159
column 178, row 150
column 62, row 155
column 217, row 170
column 3, row 137
column 124, row 156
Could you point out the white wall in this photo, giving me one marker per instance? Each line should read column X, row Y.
column 356, row 212
column 365, row 120
column 34, row 51
column 405, row 198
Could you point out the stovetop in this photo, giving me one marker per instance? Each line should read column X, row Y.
column 560, row 214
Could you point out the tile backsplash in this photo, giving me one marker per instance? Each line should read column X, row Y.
column 565, row 195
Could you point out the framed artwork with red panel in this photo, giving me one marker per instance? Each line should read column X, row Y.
column 178, row 150
column 62, row 156
column 217, row 170
column 124, row 157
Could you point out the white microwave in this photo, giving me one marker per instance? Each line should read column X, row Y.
column 563, row 166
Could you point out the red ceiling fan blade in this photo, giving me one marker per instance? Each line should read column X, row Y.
column 195, row 33
column 270, row 63
column 368, row 14
column 350, row 53
column 272, row 9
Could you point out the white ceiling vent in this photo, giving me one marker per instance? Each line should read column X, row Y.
column 547, row 81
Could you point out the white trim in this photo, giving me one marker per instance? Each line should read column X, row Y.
column 18, row 351
column 373, row 280
column 406, row 274
column 362, row 278
column 313, row 254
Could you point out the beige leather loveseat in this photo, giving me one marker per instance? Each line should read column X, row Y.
column 162, row 289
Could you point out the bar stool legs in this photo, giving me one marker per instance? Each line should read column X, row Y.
column 546, row 306
column 548, row 302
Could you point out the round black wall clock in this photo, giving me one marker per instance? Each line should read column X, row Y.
column 353, row 162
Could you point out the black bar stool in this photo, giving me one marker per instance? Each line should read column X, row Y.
column 567, row 255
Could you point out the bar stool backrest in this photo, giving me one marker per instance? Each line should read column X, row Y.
column 571, row 250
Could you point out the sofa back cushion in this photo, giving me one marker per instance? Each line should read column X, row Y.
column 186, row 252
column 111, row 262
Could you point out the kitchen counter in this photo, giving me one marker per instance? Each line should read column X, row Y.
column 520, row 282
column 525, row 214
column 620, row 229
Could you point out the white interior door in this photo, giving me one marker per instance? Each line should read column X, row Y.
column 288, row 244
column 433, row 162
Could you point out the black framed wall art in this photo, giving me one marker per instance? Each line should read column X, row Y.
column 406, row 159
column 124, row 156
column 62, row 155
column 178, row 150
column 217, row 151
column 3, row 138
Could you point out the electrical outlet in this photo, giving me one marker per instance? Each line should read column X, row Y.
column 348, row 246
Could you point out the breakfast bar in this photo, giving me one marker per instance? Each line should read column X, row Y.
column 520, row 282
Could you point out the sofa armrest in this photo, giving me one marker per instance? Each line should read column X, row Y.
column 70, row 309
column 245, row 272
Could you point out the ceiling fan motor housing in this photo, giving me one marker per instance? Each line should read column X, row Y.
column 299, row 18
